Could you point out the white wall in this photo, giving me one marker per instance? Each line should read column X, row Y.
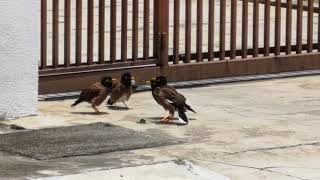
column 19, row 54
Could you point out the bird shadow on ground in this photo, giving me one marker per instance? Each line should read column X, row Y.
column 118, row 108
column 159, row 118
column 90, row 113
column 157, row 121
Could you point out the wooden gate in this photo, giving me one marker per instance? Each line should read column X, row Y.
column 82, row 40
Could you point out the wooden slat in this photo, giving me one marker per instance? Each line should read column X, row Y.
column 266, row 44
column 164, row 29
column 277, row 27
column 255, row 29
column 146, row 29
column 222, row 30
column 67, row 32
column 299, row 27
column 113, row 30
column 156, row 35
column 135, row 29
column 90, row 32
column 211, row 30
column 55, row 33
column 101, row 31
column 244, row 29
column 199, row 30
column 44, row 32
column 78, row 31
column 310, row 26
column 233, row 37
column 124, row 30
column 176, row 31
column 188, row 33
column 288, row 26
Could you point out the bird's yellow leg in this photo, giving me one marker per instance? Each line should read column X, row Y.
column 165, row 119
column 168, row 118
column 95, row 109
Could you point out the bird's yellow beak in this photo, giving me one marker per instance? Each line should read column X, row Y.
column 148, row 82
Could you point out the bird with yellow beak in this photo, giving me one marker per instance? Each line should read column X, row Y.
column 168, row 97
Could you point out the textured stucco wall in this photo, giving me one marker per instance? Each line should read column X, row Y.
column 19, row 54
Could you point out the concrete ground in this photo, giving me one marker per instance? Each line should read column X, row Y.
column 253, row 130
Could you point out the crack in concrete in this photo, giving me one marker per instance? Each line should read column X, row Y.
column 266, row 169
column 272, row 148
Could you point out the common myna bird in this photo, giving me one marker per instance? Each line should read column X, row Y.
column 123, row 91
column 168, row 97
column 96, row 93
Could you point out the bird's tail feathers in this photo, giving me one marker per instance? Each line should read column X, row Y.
column 182, row 115
column 190, row 109
column 76, row 102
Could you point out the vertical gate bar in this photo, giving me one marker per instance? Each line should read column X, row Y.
column 90, row 32
column 55, row 33
column 43, row 34
column 67, row 32
column 176, row 31
column 135, row 30
column 113, row 30
column 188, row 33
column 124, row 30
column 266, row 43
column 277, row 27
column 299, row 27
column 310, row 27
column 255, row 29
column 164, row 28
column 101, row 31
column 288, row 26
column 156, row 39
column 222, row 30
column 78, row 31
column 199, row 57
column 233, row 37
column 211, row 30
column 146, row 29
column 244, row 29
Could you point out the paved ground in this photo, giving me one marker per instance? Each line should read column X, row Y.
column 253, row 130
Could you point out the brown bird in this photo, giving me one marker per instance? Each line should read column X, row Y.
column 96, row 93
column 123, row 91
column 168, row 97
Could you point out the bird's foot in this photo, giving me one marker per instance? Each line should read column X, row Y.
column 168, row 118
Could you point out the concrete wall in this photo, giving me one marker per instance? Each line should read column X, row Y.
column 19, row 54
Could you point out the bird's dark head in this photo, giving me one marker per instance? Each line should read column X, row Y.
column 161, row 80
column 153, row 83
column 127, row 79
column 107, row 81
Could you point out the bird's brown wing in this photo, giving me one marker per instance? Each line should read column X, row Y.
column 91, row 92
column 170, row 94
column 120, row 92
column 103, row 94
column 159, row 97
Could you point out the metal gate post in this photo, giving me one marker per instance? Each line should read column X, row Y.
column 161, row 29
